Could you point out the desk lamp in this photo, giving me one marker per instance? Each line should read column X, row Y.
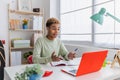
column 98, row 17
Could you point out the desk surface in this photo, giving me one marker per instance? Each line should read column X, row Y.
column 106, row 73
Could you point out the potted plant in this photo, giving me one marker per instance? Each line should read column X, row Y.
column 27, row 54
column 31, row 73
column 25, row 23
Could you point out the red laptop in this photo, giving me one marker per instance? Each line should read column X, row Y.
column 90, row 62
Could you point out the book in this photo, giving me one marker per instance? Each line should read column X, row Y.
column 37, row 22
column 74, row 62
column 15, row 58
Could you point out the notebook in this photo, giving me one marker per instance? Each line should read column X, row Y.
column 74, row 62
column 90, row 62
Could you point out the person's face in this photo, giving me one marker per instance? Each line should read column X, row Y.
column 53, row 30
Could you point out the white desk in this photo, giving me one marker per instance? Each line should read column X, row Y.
column 104, row 74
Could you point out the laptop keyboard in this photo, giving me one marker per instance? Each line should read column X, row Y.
column 73, row 71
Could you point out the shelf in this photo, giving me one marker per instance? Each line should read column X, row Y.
column 31, row 47
column 25, row 12
column 28, row 30
column 15, row 30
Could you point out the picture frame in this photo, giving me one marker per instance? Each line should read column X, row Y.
column 24, row 5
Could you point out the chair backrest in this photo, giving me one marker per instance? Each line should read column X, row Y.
column 2, row 61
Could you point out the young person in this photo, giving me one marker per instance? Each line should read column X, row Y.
column 50, row 48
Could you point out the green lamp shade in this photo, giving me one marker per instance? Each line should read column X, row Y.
column 98, row 17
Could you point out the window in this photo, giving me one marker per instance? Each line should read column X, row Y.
column 75, row 18
column 76, row 24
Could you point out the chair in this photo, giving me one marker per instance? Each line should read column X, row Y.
column 2, row 61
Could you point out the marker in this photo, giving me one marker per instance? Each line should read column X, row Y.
column 76, row 49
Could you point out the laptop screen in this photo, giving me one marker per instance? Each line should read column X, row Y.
column 90, row 62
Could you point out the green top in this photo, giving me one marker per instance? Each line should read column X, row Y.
column 44, row 48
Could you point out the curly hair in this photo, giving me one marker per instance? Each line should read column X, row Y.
column 51, row 21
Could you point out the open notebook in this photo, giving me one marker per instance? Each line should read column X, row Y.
column 74, row 62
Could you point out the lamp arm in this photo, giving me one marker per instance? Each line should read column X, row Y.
column 115, row 18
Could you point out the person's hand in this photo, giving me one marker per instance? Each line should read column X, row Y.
column 55, row 57
column 71, row 55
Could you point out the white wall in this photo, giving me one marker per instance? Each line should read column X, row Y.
column 55, row 8
column 4, row 25
column 43, row 4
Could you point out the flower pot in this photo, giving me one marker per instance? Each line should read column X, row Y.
column 35, row 77
column 25, row 27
